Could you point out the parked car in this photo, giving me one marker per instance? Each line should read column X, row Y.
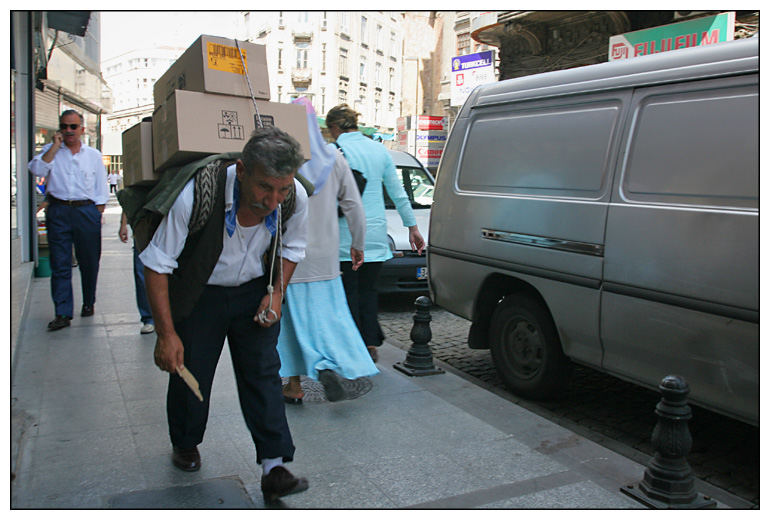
column 609, row 215
column 406, row 272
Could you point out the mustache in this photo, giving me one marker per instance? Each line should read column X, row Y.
column 259, row 206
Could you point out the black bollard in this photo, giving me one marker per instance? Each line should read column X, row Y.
column 668, row 481
column 419, row 360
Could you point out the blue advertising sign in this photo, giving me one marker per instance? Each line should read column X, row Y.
column 468, row 71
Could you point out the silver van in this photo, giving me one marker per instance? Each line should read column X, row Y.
column 608, row 215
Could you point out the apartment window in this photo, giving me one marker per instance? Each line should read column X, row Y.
column 363, row 70
column 342, row 62
column 393, row 44
column 341, row 96
column 378, row 74
column 323, row 57
column 344, row 23
column 279, row 93
column 363, row 35
column 391, row 76
column 323, row 100
column 379, row 38
column 324, row 20
column 302, row 55
column 280, row 58
column 464, row 44
column 302, row 17
column 281, row 19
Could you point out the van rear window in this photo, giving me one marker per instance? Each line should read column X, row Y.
column 698, row 146
column 547, row 151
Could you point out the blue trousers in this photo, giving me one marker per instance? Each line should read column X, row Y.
column 80, row 226
column 227, row 312
column 145, row 314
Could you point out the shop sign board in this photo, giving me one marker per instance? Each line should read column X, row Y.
column 468, row 72
column 691, row 33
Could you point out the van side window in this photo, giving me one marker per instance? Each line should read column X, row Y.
column 698, row 146
column 547, row 150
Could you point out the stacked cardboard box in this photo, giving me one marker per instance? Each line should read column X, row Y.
column 422, row 136
column 203, row 106
column 138, row 154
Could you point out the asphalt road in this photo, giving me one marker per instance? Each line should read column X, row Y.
column 611, row 412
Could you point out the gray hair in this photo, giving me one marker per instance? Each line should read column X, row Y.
column 70, row 112
column 273, row 151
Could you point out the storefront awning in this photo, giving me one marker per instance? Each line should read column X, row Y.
column 72, row 22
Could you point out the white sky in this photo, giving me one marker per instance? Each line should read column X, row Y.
column 121, row 31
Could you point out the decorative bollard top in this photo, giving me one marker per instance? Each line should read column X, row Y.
column 423, row 303
column 674, row 398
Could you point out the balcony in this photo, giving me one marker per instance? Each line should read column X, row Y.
column 300, row 76
column 302, row 31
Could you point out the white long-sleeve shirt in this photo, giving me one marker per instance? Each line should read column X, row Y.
column 241, row 257
column 73, row 177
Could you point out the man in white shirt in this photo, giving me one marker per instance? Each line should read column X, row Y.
column 76, row 192
column 113, row 178
column 212, row 285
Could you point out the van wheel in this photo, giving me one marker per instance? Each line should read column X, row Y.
column 526, row 349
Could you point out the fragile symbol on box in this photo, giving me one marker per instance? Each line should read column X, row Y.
column 229, row 128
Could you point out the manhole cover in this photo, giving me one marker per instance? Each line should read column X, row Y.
column 228, row 492
column 314, row 391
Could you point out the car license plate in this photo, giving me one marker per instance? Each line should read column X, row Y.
column 422, row 273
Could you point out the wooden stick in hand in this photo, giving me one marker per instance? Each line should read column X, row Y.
column 190, row 380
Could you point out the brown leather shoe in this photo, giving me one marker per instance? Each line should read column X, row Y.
column 188, row 460
column 280, row 482
column 61, row 321
column 87, row 311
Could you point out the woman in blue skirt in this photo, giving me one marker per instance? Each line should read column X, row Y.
column 319, row 337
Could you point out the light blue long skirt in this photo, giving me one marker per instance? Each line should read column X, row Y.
column 318, row 332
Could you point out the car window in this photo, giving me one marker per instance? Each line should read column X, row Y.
column 417, row 184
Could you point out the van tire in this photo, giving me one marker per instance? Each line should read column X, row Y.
column 526, row 349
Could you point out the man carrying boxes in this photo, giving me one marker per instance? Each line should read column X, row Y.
column 206, row 107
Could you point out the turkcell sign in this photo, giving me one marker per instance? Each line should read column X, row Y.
column 468, row 72
column 691, row 33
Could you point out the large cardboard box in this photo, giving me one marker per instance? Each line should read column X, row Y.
column 211, row 64
column 191, row 125
column 138, row 154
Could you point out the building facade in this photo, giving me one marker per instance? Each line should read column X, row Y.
column 531, row 42
column 334, row 57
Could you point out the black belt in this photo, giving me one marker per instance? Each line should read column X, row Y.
column 82, row 202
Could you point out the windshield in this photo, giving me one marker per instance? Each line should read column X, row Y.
column 417, row 184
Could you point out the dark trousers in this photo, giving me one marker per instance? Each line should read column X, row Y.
column 224, row 312
column 80, row 226
column 362, row 299
column 145, row 313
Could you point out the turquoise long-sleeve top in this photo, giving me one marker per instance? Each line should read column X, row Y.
column 373, row 160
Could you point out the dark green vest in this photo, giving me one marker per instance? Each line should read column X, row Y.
column 198, row 258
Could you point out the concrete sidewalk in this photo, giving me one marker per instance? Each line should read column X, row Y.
column 89, row 429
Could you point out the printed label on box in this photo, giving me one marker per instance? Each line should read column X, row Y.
column 225, row 58
column 229, row 128
column 267, row 121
